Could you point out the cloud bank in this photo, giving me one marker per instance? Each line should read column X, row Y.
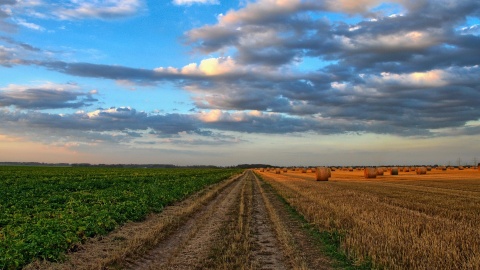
column 405, row 68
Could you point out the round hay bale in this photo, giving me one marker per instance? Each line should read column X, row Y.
column 262, row 170
column 285, row 170
column 394, row 171
column 304, row 170
column 322, row 173
column 379, row 171
column 421, row 170
column 429, row 169
column 277, row 171
column 370, row 173
column 406, row 169
column 460, row 168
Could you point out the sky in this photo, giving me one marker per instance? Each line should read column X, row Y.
column 227, row 82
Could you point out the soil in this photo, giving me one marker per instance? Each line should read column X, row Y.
column 237, row 224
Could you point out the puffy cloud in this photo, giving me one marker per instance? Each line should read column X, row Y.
column 352, row 6
column 221, row 116
column 430, row 79
column 261, row 32
column 414, row 40
column 211, row 67
column 412, row 74
column 261, row 11
column 365, row 6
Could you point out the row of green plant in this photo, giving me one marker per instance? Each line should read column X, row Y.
column 47, row 211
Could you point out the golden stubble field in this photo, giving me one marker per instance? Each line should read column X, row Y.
column 404, row 221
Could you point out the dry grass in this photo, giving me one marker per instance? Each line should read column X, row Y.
column 370, row 173
column 406, row 221
column 232, row 250
column 236, row 253
column 322, row 174
column 284, row 236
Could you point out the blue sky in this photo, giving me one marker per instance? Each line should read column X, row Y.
column 285, row 82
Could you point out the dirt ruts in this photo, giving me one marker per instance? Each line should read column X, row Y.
column 237, row 224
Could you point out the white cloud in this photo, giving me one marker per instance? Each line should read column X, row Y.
column 42, row 86
column 397, row 41
column 211, row 67
column 213, row 116
column 363, row 6
column 433, row 78
column 30, row 25
column 260, row 10
column 190, row 2
column 207, row 67
column 91, row 9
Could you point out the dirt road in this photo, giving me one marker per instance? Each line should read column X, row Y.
column 237, row 224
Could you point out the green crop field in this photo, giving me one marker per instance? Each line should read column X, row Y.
column 46, row 211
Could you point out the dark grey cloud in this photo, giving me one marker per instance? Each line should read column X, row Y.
column 427, row 37
column 24, row 46
column 39, row 99
column 395, row 103
column 276, row 123
column 13, row 52
column 296, row 33
column 112, row 72
column 408, row 74
column 113, row 125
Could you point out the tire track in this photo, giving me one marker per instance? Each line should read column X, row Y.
column 267, row 253
column 244, row 227
column 187, row 247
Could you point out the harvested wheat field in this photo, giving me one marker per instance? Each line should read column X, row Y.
column 404, row 221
